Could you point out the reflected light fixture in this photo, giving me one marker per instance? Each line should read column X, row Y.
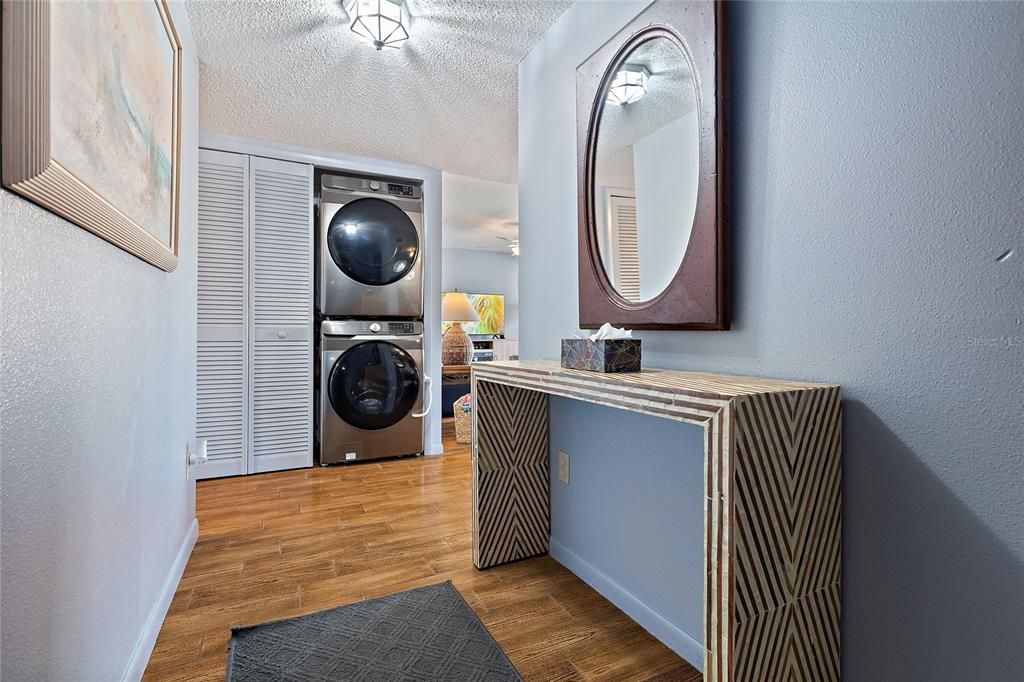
column 629, row 84
column 381, row 23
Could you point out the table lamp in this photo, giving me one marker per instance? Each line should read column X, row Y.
column 456, row 346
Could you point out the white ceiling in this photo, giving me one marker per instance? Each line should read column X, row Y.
column 292, row 72
column 476, row 214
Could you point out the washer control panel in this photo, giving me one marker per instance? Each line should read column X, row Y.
column 372, row 327
column 402, row 328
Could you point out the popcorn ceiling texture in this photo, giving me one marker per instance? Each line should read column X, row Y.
column 294, row 73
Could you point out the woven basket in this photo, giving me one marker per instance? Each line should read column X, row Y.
column 463, row 422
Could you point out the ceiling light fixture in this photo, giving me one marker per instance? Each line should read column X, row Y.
column 629, row 84
column 381, row 23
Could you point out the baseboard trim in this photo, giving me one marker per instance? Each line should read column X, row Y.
column 147, row 640
column 663, row 630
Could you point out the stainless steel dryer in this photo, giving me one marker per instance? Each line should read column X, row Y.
column 371, row 390
column 371, row 247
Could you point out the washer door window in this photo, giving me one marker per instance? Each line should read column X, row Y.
column 374, row 385
column 373, row 241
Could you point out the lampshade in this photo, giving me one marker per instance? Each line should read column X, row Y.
column 629, row 84
column 382, row 23
column 455, row 307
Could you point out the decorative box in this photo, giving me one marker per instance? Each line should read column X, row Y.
column 605, row 355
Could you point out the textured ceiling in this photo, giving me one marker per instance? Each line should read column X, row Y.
column 478, row 214
column 292, row 72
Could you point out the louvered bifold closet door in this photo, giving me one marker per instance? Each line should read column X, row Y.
column 222, row 351
column 282, row 315
column 627, row 246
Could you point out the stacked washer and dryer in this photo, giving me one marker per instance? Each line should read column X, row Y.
column 372, row 390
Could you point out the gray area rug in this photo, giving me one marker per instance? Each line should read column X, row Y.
column 426, row 634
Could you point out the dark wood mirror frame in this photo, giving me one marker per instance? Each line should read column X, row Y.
column 696, row 297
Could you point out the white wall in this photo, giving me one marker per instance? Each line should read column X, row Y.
column 666, row 169
column 875, row 161
column 484, row 272
column 97, row 391
column 547, row 171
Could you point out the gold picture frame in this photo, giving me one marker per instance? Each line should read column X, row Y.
column 101, row 146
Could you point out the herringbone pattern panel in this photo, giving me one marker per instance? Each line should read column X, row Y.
column 510, row 474
column 798, row 641
column 787, row 536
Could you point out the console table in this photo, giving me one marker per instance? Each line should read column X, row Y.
column 772, row 512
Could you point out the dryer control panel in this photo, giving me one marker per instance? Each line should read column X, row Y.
column 372, row 185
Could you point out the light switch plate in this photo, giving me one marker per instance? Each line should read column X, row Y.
column 563, row 467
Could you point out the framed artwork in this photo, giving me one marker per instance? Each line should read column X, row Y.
column 91, row 118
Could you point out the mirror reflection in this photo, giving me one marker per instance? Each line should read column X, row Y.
column 646, row 169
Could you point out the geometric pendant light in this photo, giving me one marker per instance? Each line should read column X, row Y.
column 629, row 84
column 381, row 23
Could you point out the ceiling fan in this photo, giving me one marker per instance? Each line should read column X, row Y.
column 513, row 244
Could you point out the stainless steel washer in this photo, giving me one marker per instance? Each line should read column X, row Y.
column 370, row 245
column 371, row 390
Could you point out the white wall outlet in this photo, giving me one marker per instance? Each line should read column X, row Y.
column 563, row 467
column 195, row 454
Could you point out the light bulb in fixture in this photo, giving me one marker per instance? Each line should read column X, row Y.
column 629, row 84
column 381, row 23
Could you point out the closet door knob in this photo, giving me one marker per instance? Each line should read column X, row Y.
column 282, row 335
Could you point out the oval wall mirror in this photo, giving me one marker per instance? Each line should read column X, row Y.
column 652, row 231
column 645, row 168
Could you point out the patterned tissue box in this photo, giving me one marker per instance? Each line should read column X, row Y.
column 606, row 355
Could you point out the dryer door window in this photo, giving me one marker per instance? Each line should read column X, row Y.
column 374, row 385
column 373, row 241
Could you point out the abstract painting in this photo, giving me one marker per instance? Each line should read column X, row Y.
column 91, row 117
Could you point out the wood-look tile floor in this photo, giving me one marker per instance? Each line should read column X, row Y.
column 283, row 544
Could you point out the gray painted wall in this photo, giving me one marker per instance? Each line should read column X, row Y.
column 635, row 490
column 876, row 157
column 484, row 272
column 97, row 392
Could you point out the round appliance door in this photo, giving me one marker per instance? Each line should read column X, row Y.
column 373, row 241
column 374, row 385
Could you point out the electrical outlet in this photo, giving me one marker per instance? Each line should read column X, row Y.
column 563, row 467
column 195, row 454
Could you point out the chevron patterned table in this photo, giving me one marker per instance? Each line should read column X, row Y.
column 772, row 514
